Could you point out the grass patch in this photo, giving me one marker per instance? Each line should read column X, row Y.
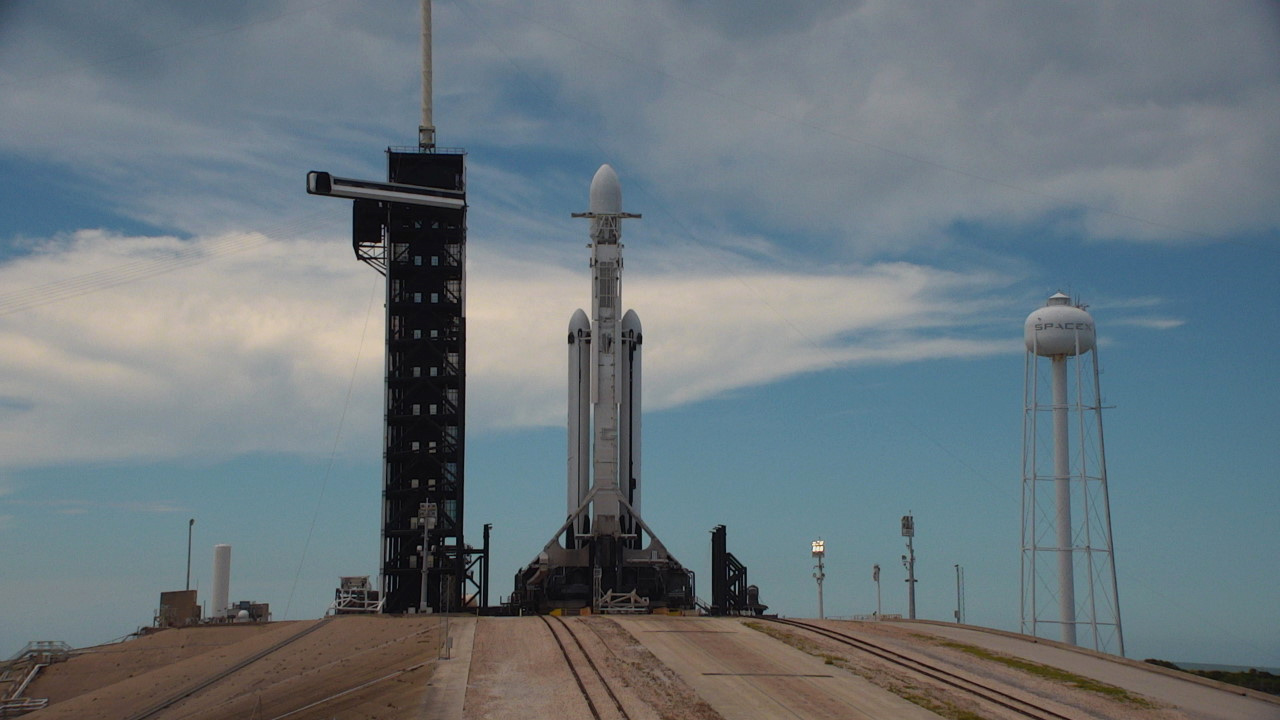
column 800, row 644
column 789, row 638
column 1054, row 674
column 935, row 706
column 910, row 694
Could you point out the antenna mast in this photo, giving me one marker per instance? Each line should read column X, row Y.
column 426, row 131
column 413, row 230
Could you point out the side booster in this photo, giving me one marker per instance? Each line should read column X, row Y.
column 604, row 556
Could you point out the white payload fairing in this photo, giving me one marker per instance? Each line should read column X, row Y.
column 608, row 552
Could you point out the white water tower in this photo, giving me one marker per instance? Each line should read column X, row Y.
column 1066, row 515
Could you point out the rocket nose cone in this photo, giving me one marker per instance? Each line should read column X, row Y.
column 631, row 321
column 606, row 193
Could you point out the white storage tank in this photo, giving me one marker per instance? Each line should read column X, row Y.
column 221, row 580
column 1059, row 328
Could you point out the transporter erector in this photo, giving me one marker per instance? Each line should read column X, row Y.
column 604, row 556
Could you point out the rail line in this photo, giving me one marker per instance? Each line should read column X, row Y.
column 188, row 692
column 933, row 672
column 604, row 683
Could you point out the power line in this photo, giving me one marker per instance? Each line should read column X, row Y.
column 337, row 437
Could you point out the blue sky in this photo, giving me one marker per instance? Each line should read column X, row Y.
column 849, row 209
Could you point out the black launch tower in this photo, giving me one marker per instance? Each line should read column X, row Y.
column 421, row 250
column 413, row 230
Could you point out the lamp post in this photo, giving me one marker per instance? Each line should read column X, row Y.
column 909, row 562
column 819, row 551
column 875, row 575
column 428, row 516
column 190, row 524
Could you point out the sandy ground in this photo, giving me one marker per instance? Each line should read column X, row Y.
column 105, row 665
column 658, row 668
column 339, row 655
column 508, row 648
column 635, row 672
column 744, row 674
column 518, row 671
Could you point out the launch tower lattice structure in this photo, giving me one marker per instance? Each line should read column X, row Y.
column 422, row 251
column 413, row 230
column 1066, row 512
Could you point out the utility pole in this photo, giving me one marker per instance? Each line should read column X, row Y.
column 875, row 575
column 190, row 524
column 909, row 562
column 819, row 551
column 959, row 593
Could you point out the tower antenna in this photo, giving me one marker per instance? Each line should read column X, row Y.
column 426, row 131
column 413, row 230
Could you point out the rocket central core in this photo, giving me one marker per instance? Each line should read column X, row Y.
column 604, row 556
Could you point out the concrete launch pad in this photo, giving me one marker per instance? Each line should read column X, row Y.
column 649, row 666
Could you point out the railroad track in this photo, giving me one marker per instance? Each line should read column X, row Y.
column 561, row 629
column 192, row 690
column 971, row 687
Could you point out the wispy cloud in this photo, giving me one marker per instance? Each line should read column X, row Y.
column 1153, row 323
column 254, row 350
column 248, row 351
column 889, row 130
column 893, row 127
column 1145, row 311
column 720, row 328
column 1129, row 303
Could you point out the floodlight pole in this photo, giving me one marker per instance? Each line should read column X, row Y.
column 819, row 551
column 820, row 575
column 190, row 525
column 909, row 562
column 959, row 593
column 428, row 516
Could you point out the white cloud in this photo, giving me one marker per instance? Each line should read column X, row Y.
column 890, row 126
column 878, row 125
column 251, row 343
column 205, row 122
column 710, row 332
column 244, row 351
column 878, row 139
column 1147, row 311
column 1153, row 323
